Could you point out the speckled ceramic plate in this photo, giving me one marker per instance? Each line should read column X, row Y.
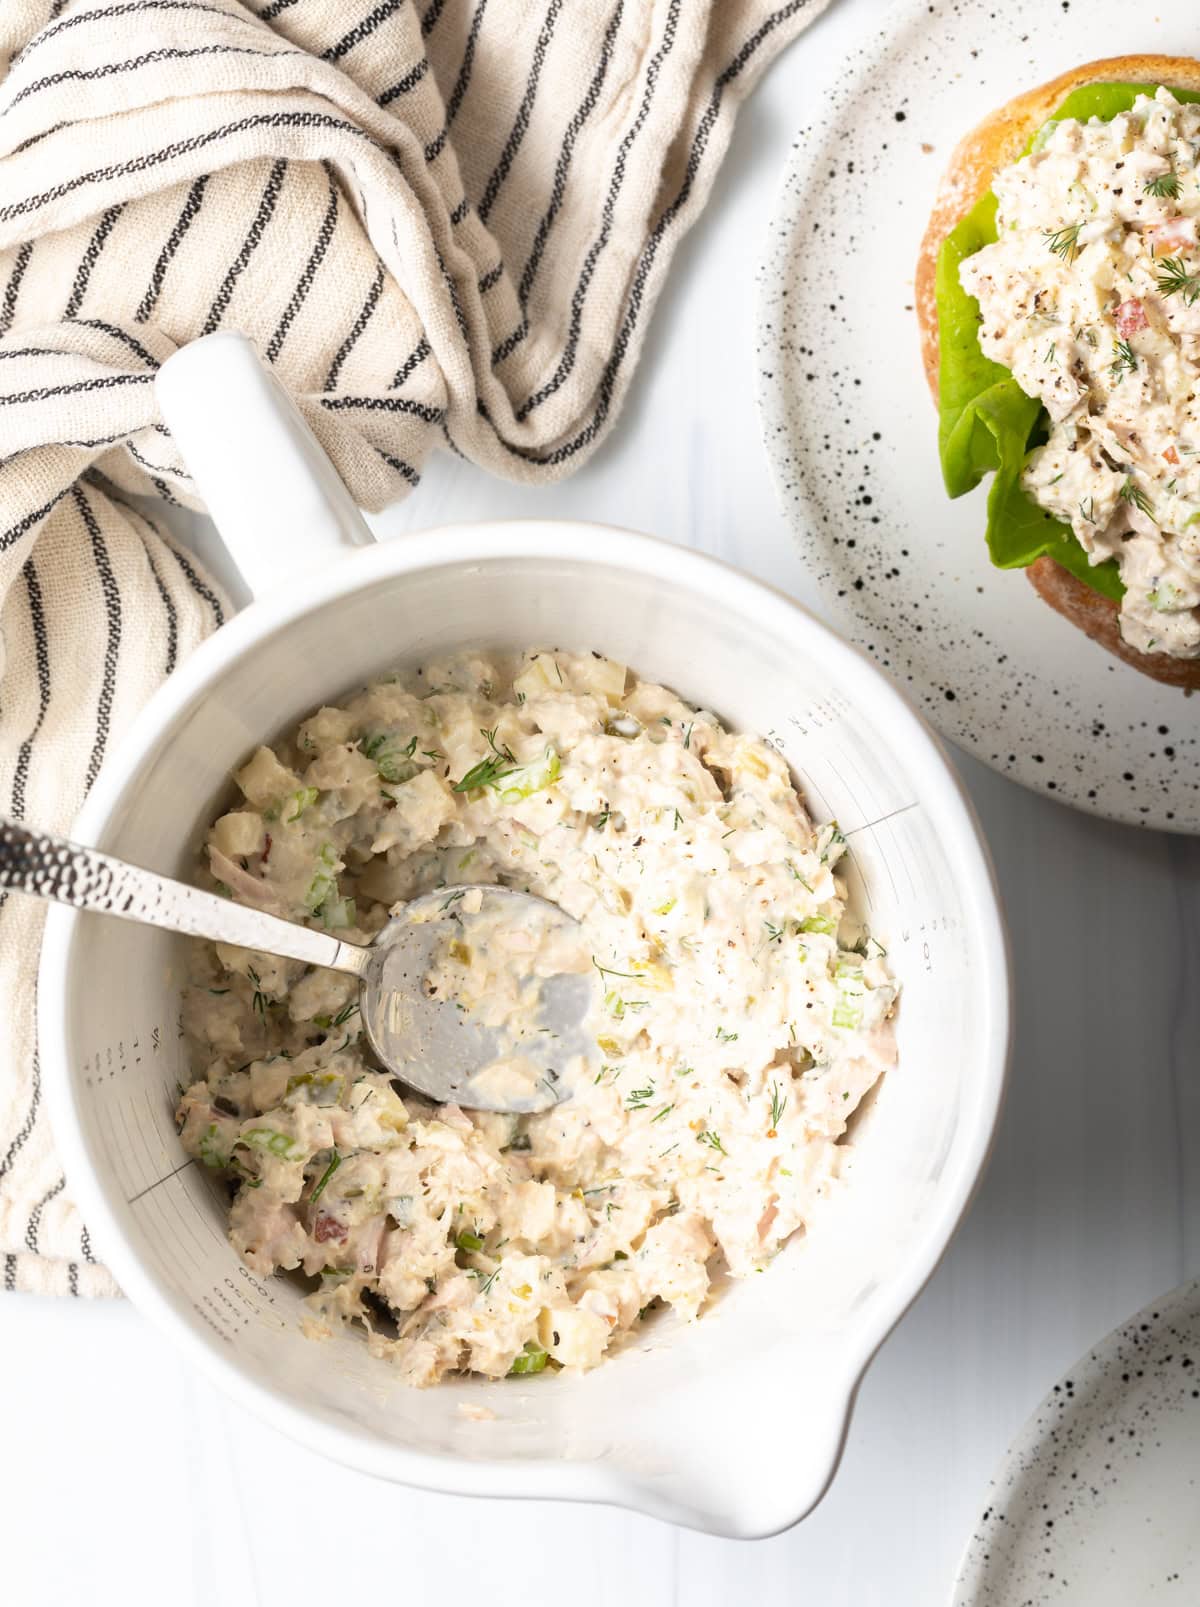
column 1097, row 1504
column 851, row 430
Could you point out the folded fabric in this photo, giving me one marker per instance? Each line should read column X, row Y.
column 445, row 225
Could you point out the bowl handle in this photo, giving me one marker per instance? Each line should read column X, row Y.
column 277, row 501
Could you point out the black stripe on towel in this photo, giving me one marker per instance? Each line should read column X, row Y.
column 304, row 283
column 103, row 382
column 262, row 217
column 182, row 224
column 126, row 339
column 402, row 85
column 385, row 404
column 13, row 288
column 434, row 149
column 41, row 654
column 35, row 1216
column 360, row 323
column 169, row 608
column 404, row 470
column 167, row 153
column 362, row 30
column 112, row 646
column 110, row 69
column 411, row 363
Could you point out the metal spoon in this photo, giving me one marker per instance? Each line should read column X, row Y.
column 433, row 1043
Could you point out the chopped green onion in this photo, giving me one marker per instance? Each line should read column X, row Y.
column 300, row 801
column 335, row 1162
column 324, row 882
column 274, row 1142
column 818, row 923
column 338, row 912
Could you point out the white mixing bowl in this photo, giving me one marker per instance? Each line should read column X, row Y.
column 733, row 1424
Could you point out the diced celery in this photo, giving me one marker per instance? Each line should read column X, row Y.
column 531, row 1360
column 530, row 778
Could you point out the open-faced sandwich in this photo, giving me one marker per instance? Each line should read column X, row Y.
column 1058, row 292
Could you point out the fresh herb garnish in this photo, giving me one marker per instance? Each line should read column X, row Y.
column 1134, row 495
column 778, row 1105
column 1165, row 186
column 491, row 771
column 485, row 1284
column 607, row 970
column 1124, row 361
column 726, row 1037
column 1174, row 279
column 640, row 1098
column 1064, row 242
column 712, row 1140
column 334, row 1162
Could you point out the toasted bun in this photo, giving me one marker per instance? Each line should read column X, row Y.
column 997, row 141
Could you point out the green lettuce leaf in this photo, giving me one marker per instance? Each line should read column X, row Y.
column 986, row 422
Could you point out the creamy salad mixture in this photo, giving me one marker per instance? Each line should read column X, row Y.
column 736, row 1030
column 1091, row 297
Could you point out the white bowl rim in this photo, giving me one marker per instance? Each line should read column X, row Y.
column 522, row 540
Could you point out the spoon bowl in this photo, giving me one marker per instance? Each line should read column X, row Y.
column 479, row 996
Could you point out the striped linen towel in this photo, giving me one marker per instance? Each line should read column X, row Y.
column 444, row 223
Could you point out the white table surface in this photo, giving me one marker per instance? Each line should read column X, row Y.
column 125, row 1478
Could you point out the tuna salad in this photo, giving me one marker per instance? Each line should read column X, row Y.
column 1090, row 296
column 739, row 1015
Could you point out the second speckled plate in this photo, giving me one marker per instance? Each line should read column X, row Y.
column 852, row 433
column 1097, row 1503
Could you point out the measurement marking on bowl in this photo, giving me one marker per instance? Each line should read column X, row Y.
column 867, row 825
column 141, row 1193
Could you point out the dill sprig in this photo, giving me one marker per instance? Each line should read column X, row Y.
column 1134, row 495
column 778, row 1105
column 1064, row 242
column 1124, row 361
column 1165, row 186
column 712, row 1140
column 640, row 1098
column 489, row 772
column 1174, row 279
